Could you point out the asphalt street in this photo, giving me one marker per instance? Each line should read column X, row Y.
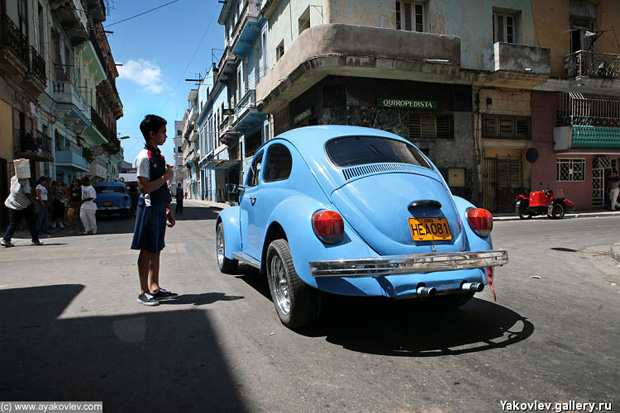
column 72, row 329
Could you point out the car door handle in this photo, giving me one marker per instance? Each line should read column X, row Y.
column 252, row 200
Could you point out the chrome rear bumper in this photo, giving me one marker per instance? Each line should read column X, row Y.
column 407, row 264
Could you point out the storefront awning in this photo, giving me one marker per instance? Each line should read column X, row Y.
column 221, row 164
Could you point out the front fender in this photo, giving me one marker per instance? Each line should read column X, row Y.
column 229, row 218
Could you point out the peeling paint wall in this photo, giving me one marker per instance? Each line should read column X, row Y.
column 375, row 13
column 472, row 21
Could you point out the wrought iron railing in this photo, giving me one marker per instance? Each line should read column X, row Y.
column 37, row 64
column 586, row 64
column 100, row 124
column 34, row 142
column 12, row 37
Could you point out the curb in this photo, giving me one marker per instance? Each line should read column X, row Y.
column 596, row 214
column 615, row 251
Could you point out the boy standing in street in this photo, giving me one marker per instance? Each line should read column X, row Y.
column 153, row 210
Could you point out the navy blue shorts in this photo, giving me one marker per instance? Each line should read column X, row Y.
column 150, row 228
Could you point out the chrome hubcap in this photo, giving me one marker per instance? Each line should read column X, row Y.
column 279, row 285
column 220, row 248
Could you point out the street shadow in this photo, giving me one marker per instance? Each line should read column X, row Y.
column 153, row 360
column 410, row 328
column 415, row 328
column 201, row 299
column 193, row 213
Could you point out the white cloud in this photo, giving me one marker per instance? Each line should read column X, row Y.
column 144, row 73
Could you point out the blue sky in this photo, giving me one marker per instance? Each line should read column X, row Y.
column 158, row 51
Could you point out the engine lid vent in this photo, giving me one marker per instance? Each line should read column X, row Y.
column 356, row 171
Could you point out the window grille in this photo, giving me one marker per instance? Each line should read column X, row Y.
column 506, row 127
column 430, row 126
column 571, row 170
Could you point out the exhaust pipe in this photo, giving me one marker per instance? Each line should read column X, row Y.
column 427, row 291
column 477, row 287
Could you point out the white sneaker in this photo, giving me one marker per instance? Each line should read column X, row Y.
column 54, row 225
column 61, row 226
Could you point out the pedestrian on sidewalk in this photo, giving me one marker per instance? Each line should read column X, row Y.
column 88, row 207
column 614, row 190
column 75, row 199
column 179, row 199
column 21, row 205
column 154, row 212
column 41, row 205
column 58, row 210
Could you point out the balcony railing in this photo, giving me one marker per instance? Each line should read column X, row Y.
column 66, row 92
column 100, row 125
column 11, row 37
column 34, row 145
column 37, row 64
column 585, row 64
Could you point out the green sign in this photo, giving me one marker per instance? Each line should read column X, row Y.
column 406, row 103
column 303, row 115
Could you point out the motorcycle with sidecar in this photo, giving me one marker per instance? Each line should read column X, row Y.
column 543, row 202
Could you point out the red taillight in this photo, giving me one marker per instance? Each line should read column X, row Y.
column 480, row 220
column 328, row 225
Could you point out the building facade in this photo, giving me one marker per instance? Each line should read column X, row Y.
column 58, row 100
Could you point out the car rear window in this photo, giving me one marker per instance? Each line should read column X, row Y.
column 108, row 189
column 361, row 150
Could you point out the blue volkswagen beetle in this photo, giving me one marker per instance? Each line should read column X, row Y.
column 112, row 197
column 353, row 211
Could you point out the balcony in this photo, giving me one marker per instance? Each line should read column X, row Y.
column 72, row 18
column 34, row 145
column 245, row 28
column 36, row 74
column 586, row 137
column 360, row 51
column 584, row 64
column 227, row 67
column 99, row 168
column 70, row 105
column 13, row 47
column 517, row 65
column 68, row 158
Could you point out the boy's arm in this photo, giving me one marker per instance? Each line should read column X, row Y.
column 147, row 186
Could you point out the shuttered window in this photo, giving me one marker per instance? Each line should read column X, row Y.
column 430, row 126
column 509, row 173
column 506, row 127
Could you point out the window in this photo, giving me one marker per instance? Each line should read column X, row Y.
column 304, row 21
column 409, row 16
column 354, row 150
column 280, row 50
column 571, row 170
column 279, row 163
column 504, row 28
column 506, row 127
column 263, row 52
column 430, row 126
column 254, row 173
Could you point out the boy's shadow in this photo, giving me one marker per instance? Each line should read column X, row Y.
column 201, row 299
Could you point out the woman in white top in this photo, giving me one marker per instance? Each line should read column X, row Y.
column 41, row 199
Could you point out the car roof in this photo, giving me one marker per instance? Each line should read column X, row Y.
column 310, row 142
column 110, row 184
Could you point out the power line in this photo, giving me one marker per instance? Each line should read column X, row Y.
column 141, row 14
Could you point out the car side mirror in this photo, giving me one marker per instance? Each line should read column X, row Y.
column 232, row 189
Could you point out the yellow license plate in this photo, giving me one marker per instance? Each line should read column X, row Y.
column 429, row 229
column 107, row 204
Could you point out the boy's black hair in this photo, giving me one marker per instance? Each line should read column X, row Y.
column 151, row 123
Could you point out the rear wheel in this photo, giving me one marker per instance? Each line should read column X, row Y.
column 296, row 303
column 558, row 211
column 227, row 266
column 524, row 210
